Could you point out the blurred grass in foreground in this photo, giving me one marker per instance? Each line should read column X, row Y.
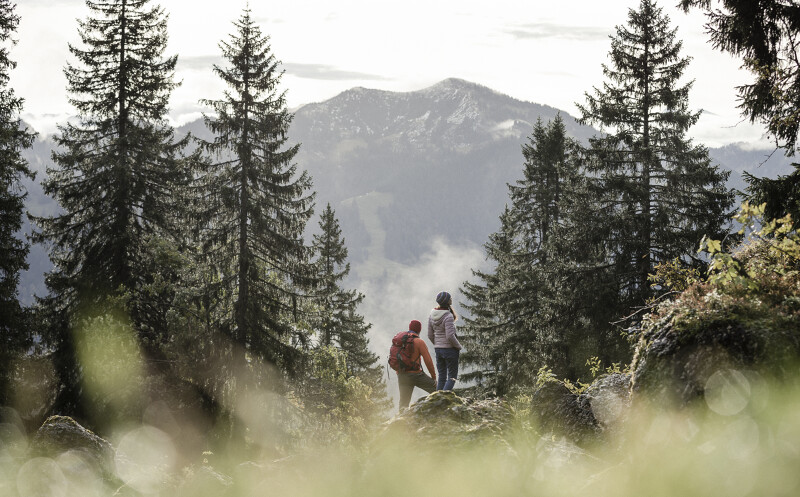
column 706, row 451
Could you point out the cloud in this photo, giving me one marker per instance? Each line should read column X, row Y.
column 198, row 62
column 543, row 30
column 328, row 73
column 558, row 74
column 268, row 20
column 766, row 144
column 405, row 292
column 45, row 124
column 53, row 3
column 306, row 71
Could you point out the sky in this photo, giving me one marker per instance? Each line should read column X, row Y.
column 539, row 51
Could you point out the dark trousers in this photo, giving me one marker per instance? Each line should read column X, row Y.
column 407, row 382
column 447, row 367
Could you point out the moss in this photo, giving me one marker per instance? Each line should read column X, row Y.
column 559, row 410
column 444, row 416
column 745, row 315
column 60, row 434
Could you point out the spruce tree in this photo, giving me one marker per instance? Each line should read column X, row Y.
column 660, row 192
column 255, row 205
column 117, row 163
column 562, row 285
column 338, row 321
column 13, row 168
column 539, row 306
column 485, row 329
column 764, row 33
column 116, row 175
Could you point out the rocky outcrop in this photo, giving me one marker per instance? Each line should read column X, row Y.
column 586, row 417
column 460, row 421
column 609, row 399
column 743, row 320
column 559, row 411
column 62, row 434
column 673, row 364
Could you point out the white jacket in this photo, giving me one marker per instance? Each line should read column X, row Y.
column 442, row 330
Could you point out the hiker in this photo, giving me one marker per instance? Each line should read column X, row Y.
column 407, row 348
column 442, row 333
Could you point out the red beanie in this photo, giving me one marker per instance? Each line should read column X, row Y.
column 415, row 326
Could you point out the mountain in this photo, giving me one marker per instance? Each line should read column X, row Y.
column 37, row 203
column 769, row 163
column 423, row 164
column 409, row 174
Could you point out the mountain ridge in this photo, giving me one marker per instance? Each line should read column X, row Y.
column 406, row 171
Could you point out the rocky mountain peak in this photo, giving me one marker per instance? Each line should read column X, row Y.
column 457, row 86
column 453, row 114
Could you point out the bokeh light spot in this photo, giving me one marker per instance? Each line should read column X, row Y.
column 727, row 392
column 145, row 456
column 41, row 477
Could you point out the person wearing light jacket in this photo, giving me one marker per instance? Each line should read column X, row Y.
column 442, row 333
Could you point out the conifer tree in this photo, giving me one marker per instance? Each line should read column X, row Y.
column 117, row 172
column 13, row 250
column 484, row 331
column 338, row 321
column 764, row 33
column 537, row 309
column 256, row 205
column 117, row 164
column 562, row 284
column 660, row 192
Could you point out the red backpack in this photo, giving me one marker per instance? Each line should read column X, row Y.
column 400, row 352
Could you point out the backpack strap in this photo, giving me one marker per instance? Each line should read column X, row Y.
column 409, row 340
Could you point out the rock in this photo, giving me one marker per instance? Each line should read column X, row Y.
column 581, row 418
column 672, row 364
column 444, row 415
column 609, row 399
column 62, row 434
column 563, row 413
column 742, row 321
column 205, row 481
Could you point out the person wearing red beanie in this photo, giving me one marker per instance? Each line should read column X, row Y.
column 411, row 378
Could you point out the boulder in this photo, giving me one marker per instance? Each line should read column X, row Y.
column 62, row 434
column 744, row 320
column 582, row 418
column 445, row 416
column 561, row 412
column 673, row 363
column 609, row 398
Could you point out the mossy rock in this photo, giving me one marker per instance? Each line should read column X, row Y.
column 444, row 415
column 745, row 317
column 674, row 360
column 582, row 418
column 559, row 411
column 609, row 398
column 62, row 434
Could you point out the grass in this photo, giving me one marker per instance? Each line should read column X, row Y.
column 708, row 451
